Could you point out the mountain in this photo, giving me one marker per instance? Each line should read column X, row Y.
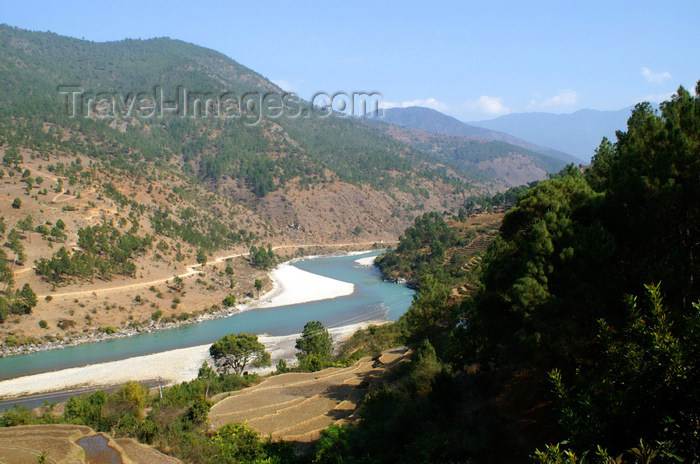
column 125, row 163
column 496, row 165
column 578, row 133
column 430, row 120
column 42, row 74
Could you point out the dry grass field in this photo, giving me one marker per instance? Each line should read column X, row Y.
column 59, row 444
column 297, row 406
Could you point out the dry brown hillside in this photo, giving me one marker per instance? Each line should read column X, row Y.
column 81, row 192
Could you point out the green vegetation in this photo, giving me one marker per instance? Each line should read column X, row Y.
column 201, row 257
column 421, row 249
column 16, row 301
column 315, row 347
column 580, row 345
column 262, row 258
column 238, row 351
column 502, row 200
column 447, row 251
column 371, row 341
column 175, row 423
column 104, row 251
column 203, row 232
column 13, row 301
column 463, row 154
column 263, row 157
column 558, row 307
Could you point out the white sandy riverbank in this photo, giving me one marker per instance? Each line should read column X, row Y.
column 293, row 286
column 368, row 261
column 171, row 366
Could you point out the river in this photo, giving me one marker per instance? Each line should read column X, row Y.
column 373, row 298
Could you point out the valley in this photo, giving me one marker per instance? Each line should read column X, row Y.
column 198, row 265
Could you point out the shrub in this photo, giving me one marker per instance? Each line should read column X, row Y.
column 65, row 324
column 281, row 367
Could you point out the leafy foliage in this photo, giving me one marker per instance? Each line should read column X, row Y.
column 104, row 251
column 262, row 258
column 644, row 383
column 315, row 347
column 421, row 248
column 262, row 157
column 554, row 300
column 238, row 351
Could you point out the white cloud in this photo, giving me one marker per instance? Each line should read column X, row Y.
column 655, row 77
column 563, row 98
column 427, row 102
column 492, row 106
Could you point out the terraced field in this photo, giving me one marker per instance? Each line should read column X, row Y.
column 59, row 443
column 297, row 406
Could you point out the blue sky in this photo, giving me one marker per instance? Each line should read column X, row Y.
column 472, row 60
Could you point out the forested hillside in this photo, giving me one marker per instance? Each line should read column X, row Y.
column 433, row 121
column 38, row 67
column 582, row 344
column 494, row 164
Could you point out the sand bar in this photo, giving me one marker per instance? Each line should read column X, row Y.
column 293, row 286
column 368, row 261
column 172, row 366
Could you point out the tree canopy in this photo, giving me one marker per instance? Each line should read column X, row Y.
column 315, row 346
column 235, row 352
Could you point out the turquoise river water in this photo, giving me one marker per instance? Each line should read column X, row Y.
column 373, row 298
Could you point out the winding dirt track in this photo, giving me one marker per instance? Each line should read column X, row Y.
column 192, row 269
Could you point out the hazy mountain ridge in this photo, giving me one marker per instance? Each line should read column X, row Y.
column 494, row 163
column 578, row 133
column 430, row 120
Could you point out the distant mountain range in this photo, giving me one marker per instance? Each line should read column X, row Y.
column 578, row 133
column 493, row 164
column 429, row 120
